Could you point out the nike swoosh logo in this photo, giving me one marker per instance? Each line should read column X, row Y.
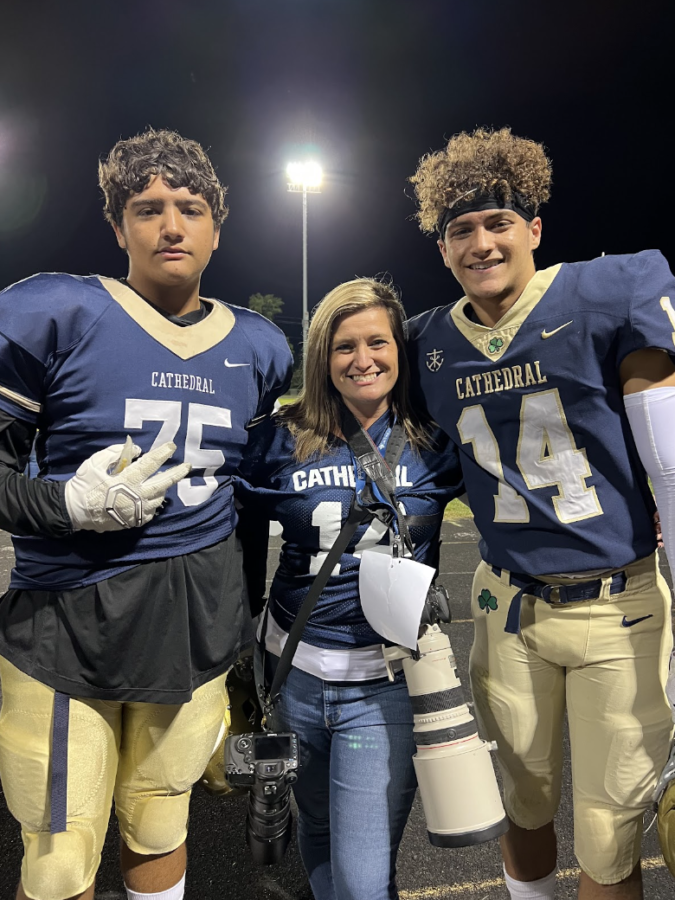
column 628, row 623
column 548, row 334
column 235, row 365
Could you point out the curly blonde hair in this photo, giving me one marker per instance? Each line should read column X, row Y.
column 486, row 161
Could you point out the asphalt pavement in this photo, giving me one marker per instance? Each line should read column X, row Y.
column 220, row 867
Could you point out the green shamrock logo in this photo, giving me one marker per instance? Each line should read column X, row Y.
column 495, row 345
column 486, row 600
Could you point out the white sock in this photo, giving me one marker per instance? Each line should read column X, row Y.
column 177, row 892
column 541, row 889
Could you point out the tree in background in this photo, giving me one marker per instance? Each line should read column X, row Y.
column 267, row 305
column 297, row 379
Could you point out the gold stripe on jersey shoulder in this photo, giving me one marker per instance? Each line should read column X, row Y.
column 494, row 342
column 20, row 400
column 184, row 341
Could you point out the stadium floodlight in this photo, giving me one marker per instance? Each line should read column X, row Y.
column 304, row 178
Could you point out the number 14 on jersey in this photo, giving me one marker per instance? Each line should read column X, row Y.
column 547, row 456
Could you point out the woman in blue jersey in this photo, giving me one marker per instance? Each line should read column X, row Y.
column 357, row 782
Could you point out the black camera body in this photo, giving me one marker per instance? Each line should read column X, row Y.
column 265, row 764
column 436, row 609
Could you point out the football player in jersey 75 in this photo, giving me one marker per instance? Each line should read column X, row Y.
column 124, row 610
column 558, row 387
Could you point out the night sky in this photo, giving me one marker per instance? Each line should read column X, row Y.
column 366, row 87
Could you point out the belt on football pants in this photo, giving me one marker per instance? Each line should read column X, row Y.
column 554, row 594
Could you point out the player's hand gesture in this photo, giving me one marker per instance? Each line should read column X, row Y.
column 111, row 492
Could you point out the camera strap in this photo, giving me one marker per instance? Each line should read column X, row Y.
column 375, row 475
column 357, row 516
column 374, row 499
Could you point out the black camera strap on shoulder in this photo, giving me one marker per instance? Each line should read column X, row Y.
column 356, row 517
column 379, row 471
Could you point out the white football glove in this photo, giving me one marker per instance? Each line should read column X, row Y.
column 109, row 492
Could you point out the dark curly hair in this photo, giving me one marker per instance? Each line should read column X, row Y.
column 181, row 163
column 493, row 162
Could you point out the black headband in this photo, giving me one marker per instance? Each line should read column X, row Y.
column 475, row 202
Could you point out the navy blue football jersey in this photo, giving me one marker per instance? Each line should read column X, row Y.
column 535, row 405
column 89, row 362
column 312, row 500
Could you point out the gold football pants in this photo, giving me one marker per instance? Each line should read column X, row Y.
column 146, row 755
column 605, row 663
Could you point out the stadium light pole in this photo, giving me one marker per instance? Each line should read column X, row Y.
column 305, row 178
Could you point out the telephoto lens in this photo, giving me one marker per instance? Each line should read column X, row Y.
column 457, row 782
column 268, row 821
column 266, row 765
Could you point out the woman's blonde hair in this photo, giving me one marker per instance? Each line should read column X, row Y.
column 314, row 418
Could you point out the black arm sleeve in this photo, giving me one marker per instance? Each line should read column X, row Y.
column 27, row 506
column 253, row 532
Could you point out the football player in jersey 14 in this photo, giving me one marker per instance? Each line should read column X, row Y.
column 558, row 387
column 124, row 609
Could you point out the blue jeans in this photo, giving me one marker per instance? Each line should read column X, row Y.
column 357, row 782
